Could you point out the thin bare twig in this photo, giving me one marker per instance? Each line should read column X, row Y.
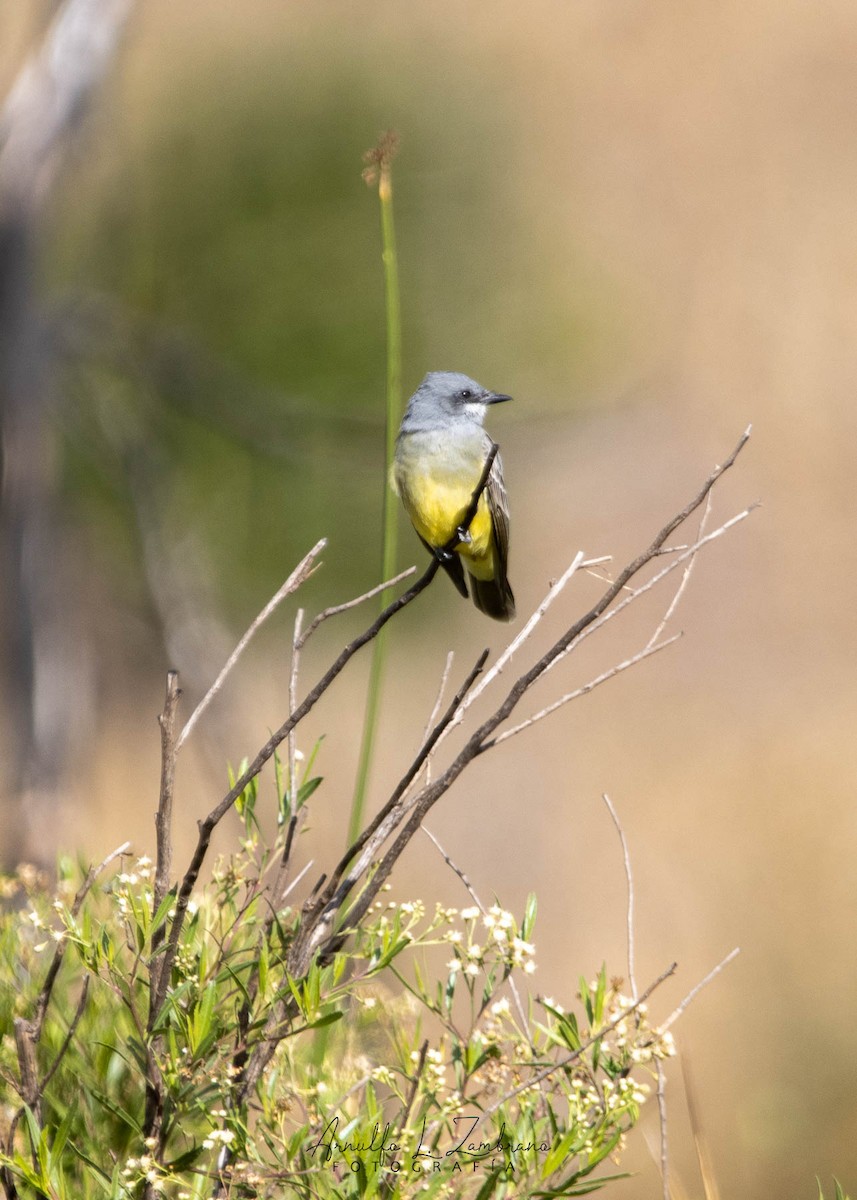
column 300, row 574
column 685, row 577
column 297, row 642
column 635, row 593
column 555, row 591
column 444, row 679
column 336, row 609
column 662, row 1121
column 584, row 690
column 415, row 1081
column 516, row 995
column 694, row 992
column 382, row 825
column 629, row 879
column 456, row 869
column 164, row 815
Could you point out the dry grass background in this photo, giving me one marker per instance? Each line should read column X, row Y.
column 701, row 158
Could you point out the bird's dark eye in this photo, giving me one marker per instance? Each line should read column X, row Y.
column 465, row 394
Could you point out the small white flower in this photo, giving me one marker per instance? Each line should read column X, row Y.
column 470, row 914
column 499, row 916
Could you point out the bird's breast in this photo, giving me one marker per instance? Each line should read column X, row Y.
column 435, row 477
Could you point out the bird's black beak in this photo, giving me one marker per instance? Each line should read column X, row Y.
column 496, row 398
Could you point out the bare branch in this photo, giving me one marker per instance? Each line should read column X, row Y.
column 629, row 879
column 297, row 642
column 458, row 871
column 300, row 574
column 336, row 609
column 662, row 1121
column 516, row 643
column 444, row 679
column 382, row 825
column 164, row 816
column 516, row 995
column 635, row 593
column 685, row 577
column 584, row 690
column 694, row 992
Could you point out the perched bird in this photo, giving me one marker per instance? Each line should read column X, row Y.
column 441, row 452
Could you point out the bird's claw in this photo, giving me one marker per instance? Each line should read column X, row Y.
column 463, row 536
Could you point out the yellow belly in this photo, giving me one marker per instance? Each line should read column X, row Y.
column 437, row 505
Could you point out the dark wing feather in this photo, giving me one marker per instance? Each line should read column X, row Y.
column 494, row 596
column 498, row 505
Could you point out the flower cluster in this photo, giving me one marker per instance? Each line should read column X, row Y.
column 503, row 945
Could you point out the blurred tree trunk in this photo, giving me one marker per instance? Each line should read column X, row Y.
column 43, row 670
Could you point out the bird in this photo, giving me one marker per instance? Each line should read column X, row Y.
column 441, row 452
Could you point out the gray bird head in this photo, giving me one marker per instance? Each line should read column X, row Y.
column 444, row 397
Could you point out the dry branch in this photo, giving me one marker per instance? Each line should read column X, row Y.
column 301, row 573
column 322, row 911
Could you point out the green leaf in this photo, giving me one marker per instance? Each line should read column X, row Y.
column 327, row 1019
column 163, row 909
column 307, row 789
column 61, row 1135
column 529, row 917
column 124, row 1117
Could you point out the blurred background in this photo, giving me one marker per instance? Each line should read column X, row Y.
column 638, row 218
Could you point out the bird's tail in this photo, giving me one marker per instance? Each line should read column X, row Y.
column 493, row 596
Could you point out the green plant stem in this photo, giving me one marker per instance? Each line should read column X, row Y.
column 389, row 522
